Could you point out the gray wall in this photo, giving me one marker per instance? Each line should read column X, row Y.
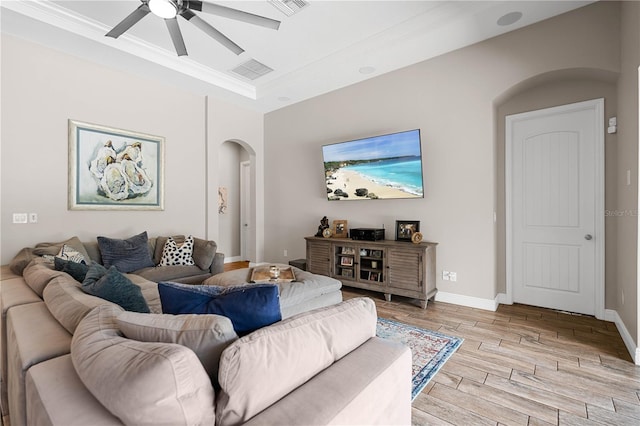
column 452, row 99
column 43, row 88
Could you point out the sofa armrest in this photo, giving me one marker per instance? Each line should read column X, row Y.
column 369, row 386
column 217, row 266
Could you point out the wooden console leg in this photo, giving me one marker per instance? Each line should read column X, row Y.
column 387, row 297
column 423, row 304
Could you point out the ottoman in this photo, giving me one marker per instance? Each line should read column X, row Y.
column 308, row 291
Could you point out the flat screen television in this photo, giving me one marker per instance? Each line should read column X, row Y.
column 377, row 167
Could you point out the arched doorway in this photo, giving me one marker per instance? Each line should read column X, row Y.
column 544, row 91
column 236, row 206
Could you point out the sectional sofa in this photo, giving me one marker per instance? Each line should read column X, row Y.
column 70, row 358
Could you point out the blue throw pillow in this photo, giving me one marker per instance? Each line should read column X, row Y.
column 77, row 270
column 126, row 255
column 248, row 307
column 111, row 285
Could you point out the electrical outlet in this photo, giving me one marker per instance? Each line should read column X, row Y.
column 445, row 275
column 20, row 218
column 453, row 276
column 286, row 253
column 33, row 217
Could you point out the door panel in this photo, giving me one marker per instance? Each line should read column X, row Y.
column 553, row 199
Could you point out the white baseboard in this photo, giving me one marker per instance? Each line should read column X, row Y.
column 634, row 351
column 469, row 301
column 233, row 259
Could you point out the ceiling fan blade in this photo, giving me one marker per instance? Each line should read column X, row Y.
column 212, row 32
column 129, row 21
column 176, row 36
column 230, row 13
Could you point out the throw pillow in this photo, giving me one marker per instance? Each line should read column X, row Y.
column 174, row 254
column 77, row 270
column 203, row 252
column 248, row 307
column 111, row 285
column 69, row 253
column 126, row 255
column 206, row 335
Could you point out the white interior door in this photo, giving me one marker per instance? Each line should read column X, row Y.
column 245, row 208
column 555, row 207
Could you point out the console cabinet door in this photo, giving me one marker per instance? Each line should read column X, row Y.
column 405, row 269
column 319, row 257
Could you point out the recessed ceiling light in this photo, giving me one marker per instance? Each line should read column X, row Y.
column 366, row 70
column 509, row 18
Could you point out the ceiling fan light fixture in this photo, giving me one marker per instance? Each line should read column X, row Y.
column 167, row 9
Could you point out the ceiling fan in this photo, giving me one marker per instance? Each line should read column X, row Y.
column 170, row 9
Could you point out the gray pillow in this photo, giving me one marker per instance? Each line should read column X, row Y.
column 111, row 285
column 203, row 252
column 126, row 255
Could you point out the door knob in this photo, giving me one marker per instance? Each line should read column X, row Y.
column 588, row 237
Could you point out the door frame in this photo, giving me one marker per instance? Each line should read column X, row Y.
column 245, row 208
column 597, row 105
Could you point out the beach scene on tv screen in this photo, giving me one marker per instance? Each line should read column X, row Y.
column 380, row 167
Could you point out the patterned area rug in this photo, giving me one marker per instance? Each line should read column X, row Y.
column 429, row 349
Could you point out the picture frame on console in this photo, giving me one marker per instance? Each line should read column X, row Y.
column 348, row 250
column 346, row 261
column 406, row 228
column 340, row 229
column 114, row 169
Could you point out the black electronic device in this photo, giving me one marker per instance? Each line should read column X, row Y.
column 367, row 234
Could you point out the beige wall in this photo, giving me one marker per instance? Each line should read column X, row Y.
column 43, row 88
column 627, row 195
column 452, row 100
column 225, row 123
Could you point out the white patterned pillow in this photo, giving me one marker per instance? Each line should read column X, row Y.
column 174, row 254
column 71, row 254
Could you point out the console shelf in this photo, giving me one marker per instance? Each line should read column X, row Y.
column 390, row 267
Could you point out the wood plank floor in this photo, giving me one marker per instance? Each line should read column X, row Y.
column 522, row 365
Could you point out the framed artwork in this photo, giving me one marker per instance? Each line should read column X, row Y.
column 114, row 169
column 222, row 199
column 376, row 253
column 347, row 273
column 406, row 228
column 348, row 250
column 340, row 229
column 346, row 261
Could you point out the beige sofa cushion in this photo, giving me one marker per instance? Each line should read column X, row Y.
column 26, row 255
column 68, row 303
column 39, row 273
column 206, row 335
column 56, row 396
column 264, row 366
column 140, row 382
